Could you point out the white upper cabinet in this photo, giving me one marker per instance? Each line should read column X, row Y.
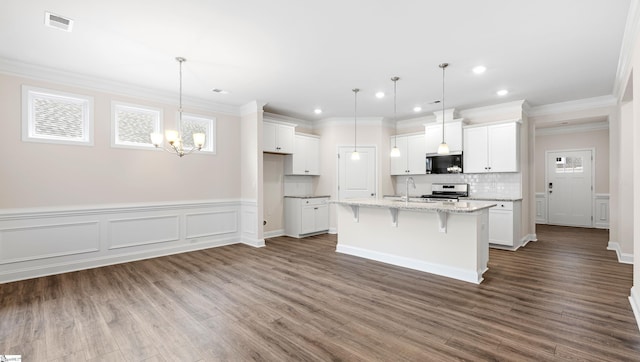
column 491, row 148
column 277, row 138
column 305, row 159
column 412, row 155
column 452, row 136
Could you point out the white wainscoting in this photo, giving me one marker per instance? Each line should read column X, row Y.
column 601, row 211
column 38, row 242
column 541, row 208
column 249, row 222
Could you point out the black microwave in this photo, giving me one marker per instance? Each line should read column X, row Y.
column 451, row 163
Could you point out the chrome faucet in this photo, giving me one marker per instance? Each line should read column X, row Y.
column 409, row 180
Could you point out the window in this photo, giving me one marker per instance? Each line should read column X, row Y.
column 131, row 125
column 196, row 124
column 56, row 117
column 569, row 165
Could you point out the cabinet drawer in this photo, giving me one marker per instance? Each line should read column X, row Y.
column 314, row 201
column 503, row 205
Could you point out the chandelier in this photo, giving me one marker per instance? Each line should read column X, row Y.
column 173, row 137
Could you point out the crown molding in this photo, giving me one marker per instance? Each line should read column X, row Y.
column 341, row 121
column 52, row 75
column 587, row 127
column 289, row 120
column 625, row 60
column 573, row 106
column 495, row 109
column 252, row 108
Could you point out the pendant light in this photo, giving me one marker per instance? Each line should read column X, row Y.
column 443, row 149
column 395, row 151
column 174, row 138
column 355, row 155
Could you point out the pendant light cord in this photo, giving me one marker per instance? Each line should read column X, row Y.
column 443, row 67
column 355, row 118
column 395, row 121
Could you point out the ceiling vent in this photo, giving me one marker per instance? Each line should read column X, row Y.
column 58, row 22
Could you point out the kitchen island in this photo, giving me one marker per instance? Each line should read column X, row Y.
column 444, row 238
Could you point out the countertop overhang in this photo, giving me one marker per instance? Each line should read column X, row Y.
column 438, row 206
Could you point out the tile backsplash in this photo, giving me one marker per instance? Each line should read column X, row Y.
column 480, row 185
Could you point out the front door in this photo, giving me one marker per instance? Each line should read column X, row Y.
column 356, row 178
column 570, row 188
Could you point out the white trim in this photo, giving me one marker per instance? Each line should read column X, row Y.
column 274, row 233
column 251, row 108
column 342, row 121
column 333, row 230
column 495, row 109
column 634, row 299
column 573, row 106
column 625, row 61
column 144, row 109
column 210, row 134
column 85, row 236
column 29, row 93
column 438, row 269
column 61, row 77
column 278, row 118
column 585, row 127
column 623, row 258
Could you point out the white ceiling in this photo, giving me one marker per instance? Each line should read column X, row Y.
column 298, row 55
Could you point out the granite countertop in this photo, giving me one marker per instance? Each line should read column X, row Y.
column 492, row 198
column 438, row 206
column 308, row 196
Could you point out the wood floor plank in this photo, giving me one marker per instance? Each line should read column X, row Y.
column 564, row 297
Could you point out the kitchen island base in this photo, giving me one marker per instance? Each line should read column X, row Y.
column 413, row 239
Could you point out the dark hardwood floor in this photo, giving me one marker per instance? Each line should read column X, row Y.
column 564, row 297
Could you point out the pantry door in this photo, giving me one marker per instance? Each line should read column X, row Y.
column 356, row 178
column 570, row 187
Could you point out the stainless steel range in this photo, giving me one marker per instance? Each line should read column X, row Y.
column 448, row 192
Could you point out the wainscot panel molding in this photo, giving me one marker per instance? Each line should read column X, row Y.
column 541, row 208
column 249, row 222
column 624, row 258
column 39, row 242
column 601, row 211
column 634, row 298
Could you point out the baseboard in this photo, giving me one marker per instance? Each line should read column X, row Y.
column 256, row 243
column 623, row 258
column 273, row 233
column 634, row 299
column 438, row 269
column 530, row 237
column 333, row 231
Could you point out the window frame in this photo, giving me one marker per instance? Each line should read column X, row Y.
column 116, row 143
column 210, row 135
column 29, row 94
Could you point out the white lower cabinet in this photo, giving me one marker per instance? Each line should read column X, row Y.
column 305, row 216
column 504, row 224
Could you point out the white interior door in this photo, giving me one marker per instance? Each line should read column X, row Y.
column 356, row 179
column 570, row 188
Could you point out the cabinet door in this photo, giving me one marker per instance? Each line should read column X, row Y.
column 322, row 217
column 285, row 139
column 453, row 136
column 501, row 227
column 308, row 219
column 433, row 137
column 475, row 150
column 298, row 159
column 269, row 137
column 312, row 156
column 503, row 147
column 416, row 155
column 399, row 164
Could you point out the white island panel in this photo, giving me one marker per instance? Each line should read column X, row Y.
column 415, row 241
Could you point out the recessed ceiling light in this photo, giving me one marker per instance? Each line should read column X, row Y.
column 479, row 69
column 317, row 111
column 380, row 95
column 221, row 91
column 502, row 92
column 417, row 109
